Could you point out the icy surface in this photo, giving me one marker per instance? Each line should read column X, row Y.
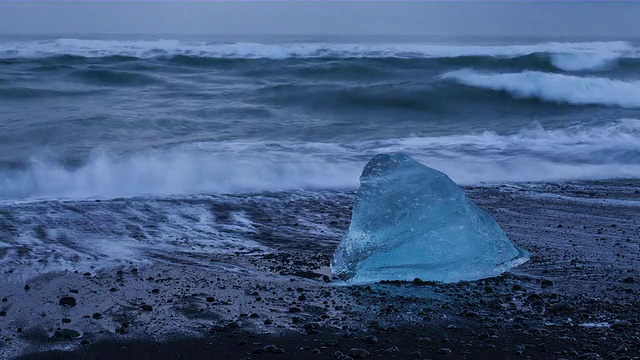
column 410, row 221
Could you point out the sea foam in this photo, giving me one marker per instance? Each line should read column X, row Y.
column 532, row 154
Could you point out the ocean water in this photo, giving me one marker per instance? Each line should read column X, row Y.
column 97, row 132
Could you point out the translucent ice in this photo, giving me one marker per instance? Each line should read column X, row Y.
column 410, row 221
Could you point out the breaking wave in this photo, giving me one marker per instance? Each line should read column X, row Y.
column 557, row 88
column 565, row 56
column 533, row 154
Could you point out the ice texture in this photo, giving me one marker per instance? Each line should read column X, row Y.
column 411, row 221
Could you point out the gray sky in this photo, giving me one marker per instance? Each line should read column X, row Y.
column 577, row 18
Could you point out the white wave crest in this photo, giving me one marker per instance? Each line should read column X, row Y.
column 555, row 87
column 584, row 61
column 533, row 154
column 153, row 48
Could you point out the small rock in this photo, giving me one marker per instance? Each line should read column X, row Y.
column 629, row 280
column 561, row 307
column 232, row 325
column 620, row 325
column 68, row 301
column 371, row 339
column 546, row 283
column 27, row 287
column 272, row 349
column 66, row 320
column 97, row 316
column 210, row 299
column 311, row 328
column 622, row 349
column 391, row 350
column 358, row 353
column 444, row 351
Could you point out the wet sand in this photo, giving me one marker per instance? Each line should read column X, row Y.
column 578, row 296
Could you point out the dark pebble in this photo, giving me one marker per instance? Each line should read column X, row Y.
column 272, row 349
column 620, row 325
column 358, row 353
column 371, row 339
column 232, row 325
column 68, row 301
column 546, row 283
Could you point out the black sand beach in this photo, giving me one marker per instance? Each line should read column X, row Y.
column 577, row 298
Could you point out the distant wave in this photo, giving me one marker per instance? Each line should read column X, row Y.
column 112, row 77
column 565, row 56
column 533, row 154
column 555, row 87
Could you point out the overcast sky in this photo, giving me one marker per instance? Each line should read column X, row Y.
column 521, row 18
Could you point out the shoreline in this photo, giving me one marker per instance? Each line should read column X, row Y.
column 576, row 298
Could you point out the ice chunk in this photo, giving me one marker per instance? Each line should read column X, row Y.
column 410, row 221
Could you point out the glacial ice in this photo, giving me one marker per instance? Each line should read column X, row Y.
column 411, row 221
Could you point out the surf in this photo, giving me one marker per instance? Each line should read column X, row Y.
column 531, row 154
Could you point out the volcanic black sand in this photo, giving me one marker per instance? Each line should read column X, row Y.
column 578, row 296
